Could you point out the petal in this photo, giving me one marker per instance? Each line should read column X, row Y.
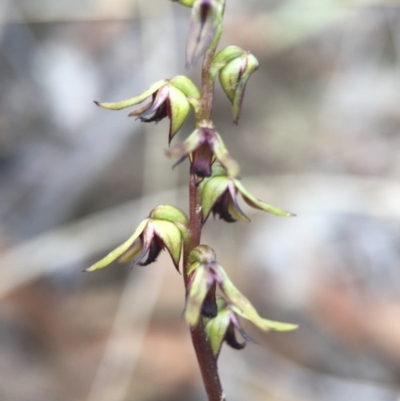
column 116, row 253
column 233, row 206
column 188, row 146
column 179, row 110
column 161, row 96
column 132, row 252
column 243, row 307
column 140, row 110
column 171, row 237
column 258, row 204
column 216, row 329
column 251, row 66
column 123, row 104
column 211, row 192
column 200, row 283
column 222, row 155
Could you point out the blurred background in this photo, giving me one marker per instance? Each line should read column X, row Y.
column 318, row 136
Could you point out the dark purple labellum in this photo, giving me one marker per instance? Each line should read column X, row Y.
column 155, row 248
column 209, row 307
column 220, row 208
column 230, row 338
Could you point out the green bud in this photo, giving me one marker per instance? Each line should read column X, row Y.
column 199, row 285
column 233, row 78
column 202, row 254
column 224, row 56
column 205, row 23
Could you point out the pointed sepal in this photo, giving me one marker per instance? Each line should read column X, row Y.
column 224, row 56
column 118, row 252
column 171, row 237
column 258, row 204
column 243, row 307
column 123, row 104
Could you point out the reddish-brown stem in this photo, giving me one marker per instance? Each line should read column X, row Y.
column 205, row 357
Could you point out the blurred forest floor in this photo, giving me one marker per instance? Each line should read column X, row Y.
column 319, row 136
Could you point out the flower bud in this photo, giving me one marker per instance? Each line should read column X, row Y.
column 224, row 56
column 233, row 78
column 206, row 21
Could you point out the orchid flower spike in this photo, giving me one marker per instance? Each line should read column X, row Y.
column 165, row 228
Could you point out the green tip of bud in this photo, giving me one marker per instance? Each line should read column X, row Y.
column 186, row 3
column 202, row 254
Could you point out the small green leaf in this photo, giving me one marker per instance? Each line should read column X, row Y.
column 116, row 253
column 123, row 104
column 211, row 191
column 172, row 238
column 258, row 204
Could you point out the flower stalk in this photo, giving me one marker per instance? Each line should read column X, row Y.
column 201, row 344
column 213, row 190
